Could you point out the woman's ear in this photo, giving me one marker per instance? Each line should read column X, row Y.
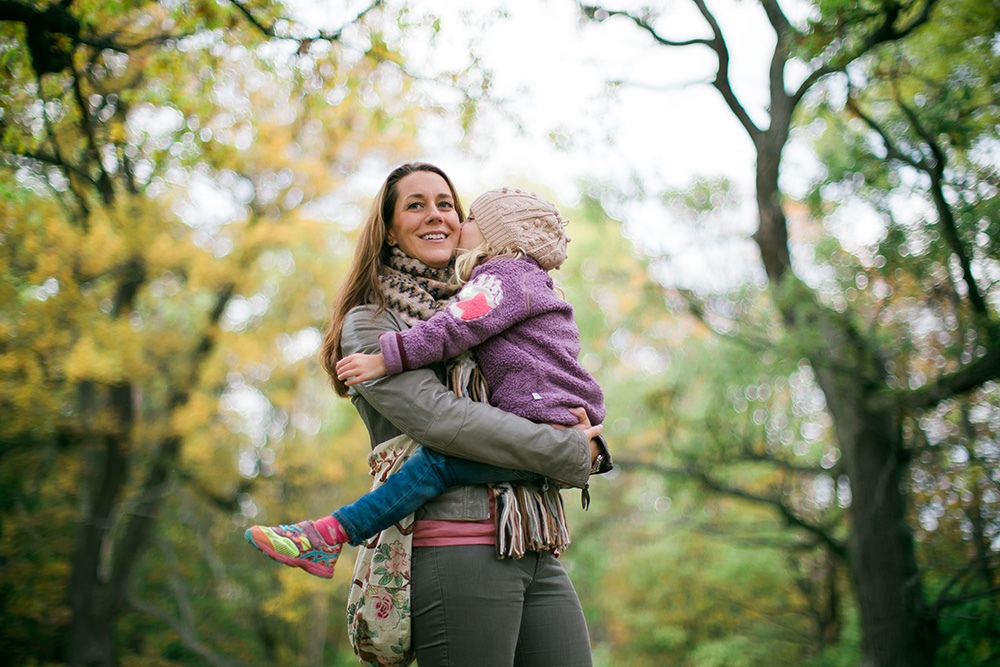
column 390, row 239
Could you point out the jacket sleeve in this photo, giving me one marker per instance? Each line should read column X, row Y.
column 494, row 300
column 418, row 404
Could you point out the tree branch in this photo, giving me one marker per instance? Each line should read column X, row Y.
column 946, row 216
column 56, row 161
column 836, row 547
column 140, row 526
column 597, row 13
column 101, row 43
column 967, row 378
column 777, row 18
column 184, row 631
column 83, row 210
column 102, row 182
column 782, row 104
column 752, row 457
column 177, row 585
column 696, row 308
column 885, row 32
column 269, row 31
column 155, row 488
column 943, row 601
column 893, row 152
column 44, row 29
column 726, row 533
column 722, row 82
column 716, row 43
column 254, row 21
column 228, row 502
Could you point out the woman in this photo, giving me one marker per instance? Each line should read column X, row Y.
column 468, row 606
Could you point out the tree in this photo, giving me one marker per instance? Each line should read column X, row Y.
column 914, row 133
column 168, row 174
column 695, row 576
column 868, row 407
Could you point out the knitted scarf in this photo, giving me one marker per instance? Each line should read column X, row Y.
column 415, row 291
column 528, row 518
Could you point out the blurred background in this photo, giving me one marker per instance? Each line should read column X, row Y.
column 785, row 268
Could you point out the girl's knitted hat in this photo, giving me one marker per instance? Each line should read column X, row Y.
column 512, row 219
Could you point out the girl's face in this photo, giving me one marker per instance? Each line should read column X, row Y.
column 471, row 237
column 425, row 223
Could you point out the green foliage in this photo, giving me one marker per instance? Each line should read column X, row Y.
column 915, row 145
column 170, row 225
column 168, row 245
column 747, row 409
column 912, row 150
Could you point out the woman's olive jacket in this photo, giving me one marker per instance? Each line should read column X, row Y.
column 418, row 403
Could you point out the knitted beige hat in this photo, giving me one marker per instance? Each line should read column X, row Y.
column 512, row 219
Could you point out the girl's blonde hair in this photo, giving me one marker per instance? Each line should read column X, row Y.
column 468, row 260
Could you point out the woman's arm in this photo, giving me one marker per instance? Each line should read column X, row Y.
column 418, row 404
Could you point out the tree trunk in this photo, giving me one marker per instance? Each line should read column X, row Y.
column 99, row 590
column 895, row 628
column 105, row 558
column 829, row 620
column 102, row 564
column 90, row 633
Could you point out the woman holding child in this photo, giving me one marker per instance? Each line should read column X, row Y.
column 468, row 606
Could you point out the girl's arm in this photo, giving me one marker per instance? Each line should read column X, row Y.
column 418, row 404
column 502, row 293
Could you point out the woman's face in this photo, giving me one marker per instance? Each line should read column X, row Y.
column 425, row 223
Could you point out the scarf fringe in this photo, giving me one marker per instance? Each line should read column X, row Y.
column 466, row 379
column 529, row 519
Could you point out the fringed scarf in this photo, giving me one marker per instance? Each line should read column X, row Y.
column 416, row 292
column 527, row 518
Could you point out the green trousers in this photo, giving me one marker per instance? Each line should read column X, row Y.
column 470, row 608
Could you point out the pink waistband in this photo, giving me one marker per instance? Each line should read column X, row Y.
column 439, row 533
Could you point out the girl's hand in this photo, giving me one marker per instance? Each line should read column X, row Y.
column 356, row 368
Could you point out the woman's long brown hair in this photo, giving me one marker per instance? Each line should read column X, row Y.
column 372, row 253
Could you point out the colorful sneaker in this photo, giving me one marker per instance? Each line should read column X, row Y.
column 297, row 545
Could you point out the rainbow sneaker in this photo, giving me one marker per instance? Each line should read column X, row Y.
column 297, row 545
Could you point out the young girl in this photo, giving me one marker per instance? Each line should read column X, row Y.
column 525, row 341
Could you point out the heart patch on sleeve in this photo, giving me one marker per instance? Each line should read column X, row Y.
column 477, row 298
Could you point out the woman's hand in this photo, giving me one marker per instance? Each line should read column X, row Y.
column 360, row 368
column 588, row 430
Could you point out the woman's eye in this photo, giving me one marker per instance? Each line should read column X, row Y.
column 444, row 204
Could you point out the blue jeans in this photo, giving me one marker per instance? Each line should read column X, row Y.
column 425, row 475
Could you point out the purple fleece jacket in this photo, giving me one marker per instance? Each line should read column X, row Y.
column 525, row 340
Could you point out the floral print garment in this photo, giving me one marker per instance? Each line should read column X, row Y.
column 378, row 606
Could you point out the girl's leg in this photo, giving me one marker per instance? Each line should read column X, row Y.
column 425, row 475
column 315, row 546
